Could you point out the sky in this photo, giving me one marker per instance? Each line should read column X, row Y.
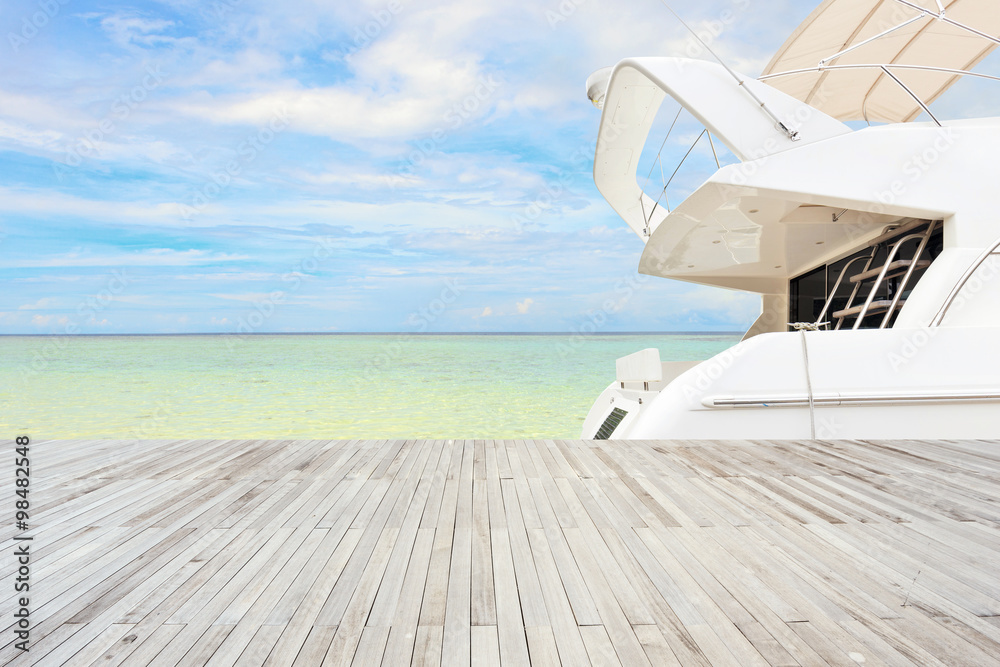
column 316, row 166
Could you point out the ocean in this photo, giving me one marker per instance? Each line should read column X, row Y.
column 322, row 386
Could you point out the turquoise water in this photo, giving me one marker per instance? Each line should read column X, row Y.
column 316, row 386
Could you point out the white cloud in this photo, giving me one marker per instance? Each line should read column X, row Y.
column 487, row 311
column 126, row 30
column 248, row 67
column 247, row 297
column 523, row 306
column 155, row 257
column 347, row 176
column 228, row 276
column 41, row 304
column 407, row 82
column 48, row 320
column 24, row 136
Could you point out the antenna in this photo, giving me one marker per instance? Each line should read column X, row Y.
column 791, row 134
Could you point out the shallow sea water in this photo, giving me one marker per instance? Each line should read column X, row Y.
column 316, row 386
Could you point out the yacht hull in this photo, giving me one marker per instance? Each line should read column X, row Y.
column 882, row 383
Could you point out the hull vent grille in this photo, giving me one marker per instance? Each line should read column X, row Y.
column 610, row 424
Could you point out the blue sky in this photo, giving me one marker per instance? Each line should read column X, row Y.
column 392, row 166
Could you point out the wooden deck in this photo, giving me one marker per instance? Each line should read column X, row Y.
column 509, row 552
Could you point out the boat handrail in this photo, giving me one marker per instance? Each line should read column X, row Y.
column 836, row 286
column 914, row 263
column 881, row 276
column 648, row 218
column 975, row 266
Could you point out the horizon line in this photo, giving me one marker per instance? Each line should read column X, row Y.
column 382, row 333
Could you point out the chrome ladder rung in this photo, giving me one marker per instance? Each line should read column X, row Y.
column 896, row 269
column 875, row 308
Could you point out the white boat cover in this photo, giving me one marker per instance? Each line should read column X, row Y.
column 868, row 94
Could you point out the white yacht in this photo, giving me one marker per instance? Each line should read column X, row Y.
column 876, row 251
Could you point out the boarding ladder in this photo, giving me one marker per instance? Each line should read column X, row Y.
column 894, row 240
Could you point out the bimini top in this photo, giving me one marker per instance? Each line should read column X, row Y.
column 844, row 57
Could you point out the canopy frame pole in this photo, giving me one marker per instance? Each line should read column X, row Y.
column 792, row 135
column 663, row 193
column 941, row 17
column 923, row 14
column 714, row 154
column 650, row 174
column 642, row 204
column 683, row 160
column 911, row 94
column 925, row 68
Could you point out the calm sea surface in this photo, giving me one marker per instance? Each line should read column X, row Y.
column 316, row 386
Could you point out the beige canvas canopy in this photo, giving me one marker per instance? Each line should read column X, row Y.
column 902, row 35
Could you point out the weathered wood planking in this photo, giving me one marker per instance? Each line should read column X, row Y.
column 353, row 552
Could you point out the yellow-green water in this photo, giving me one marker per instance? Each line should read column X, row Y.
column 316, row 386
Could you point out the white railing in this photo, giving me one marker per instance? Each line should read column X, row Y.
column 662, row 196
column 975, row 266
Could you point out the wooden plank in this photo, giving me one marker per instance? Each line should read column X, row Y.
column 550, row 542
column 98, row 646
column 656, row 647
column 671, row 608
column 503, row 462
column 631, row 588
column 484, row 610
column 389, row 594
column 275, row 582
column 559, row 610
column 832, row 651
column 313, row 650
column 427, row 648
column 485, row 646
column 102, row 574
column 145, row 652
column 456, row 648
column 713, row 647
column 248, row 627
column 260, row 647
column 533, row 608
column 239, row 552
column 510, row 622
column 436, row 589
column 644, row 502
column 405, row 624
column 205, row 647
column 436, row 492
column 619, row 630
column 569, row 455
column 230, row 579
column 725, row 613
column 374, row 548
column 542, row 647
column 371, row 647
column 299, row 608
column 599, row 647
column 352, row 621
